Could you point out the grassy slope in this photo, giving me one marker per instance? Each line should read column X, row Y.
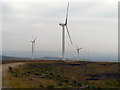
column 65, row 75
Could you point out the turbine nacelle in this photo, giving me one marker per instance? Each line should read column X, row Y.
column 34, row 40
column 62, row 24
column 79, row 48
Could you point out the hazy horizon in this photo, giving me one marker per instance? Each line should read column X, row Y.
column 69, row 54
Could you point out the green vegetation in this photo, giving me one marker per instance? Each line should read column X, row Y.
column 57, row 74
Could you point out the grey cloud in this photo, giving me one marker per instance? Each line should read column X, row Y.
column 91, row 25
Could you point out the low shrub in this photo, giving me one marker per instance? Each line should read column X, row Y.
column 79, row 84
column 50, row 86
column 10, row 68
column 41, row 86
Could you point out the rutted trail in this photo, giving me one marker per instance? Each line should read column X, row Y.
column 0, row 76
column 5, row 68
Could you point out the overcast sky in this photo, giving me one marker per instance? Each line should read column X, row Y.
column 92, row 25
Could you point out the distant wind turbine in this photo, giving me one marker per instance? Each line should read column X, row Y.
column 64, row 25
column 78, row 50
column 33, row 44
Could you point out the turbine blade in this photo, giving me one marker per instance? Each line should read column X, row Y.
column 77, row 47
column 67, row 14
column 69, row 35
column 35, row 39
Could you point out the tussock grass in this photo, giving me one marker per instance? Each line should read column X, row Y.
column 57, row 74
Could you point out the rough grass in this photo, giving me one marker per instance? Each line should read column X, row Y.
column 57, row 74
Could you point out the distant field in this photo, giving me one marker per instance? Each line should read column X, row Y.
column 58, row 74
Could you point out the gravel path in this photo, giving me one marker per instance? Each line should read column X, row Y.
column 3, row 72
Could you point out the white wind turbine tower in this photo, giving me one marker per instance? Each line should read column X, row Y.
column 78, row 50
column 33, row 44
column 64, row 25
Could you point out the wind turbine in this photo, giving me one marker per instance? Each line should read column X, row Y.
column 33, row 44
column 78, row 50
column 64, row 25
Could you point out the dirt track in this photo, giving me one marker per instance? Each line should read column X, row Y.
column 0, row 76
column 5, row 68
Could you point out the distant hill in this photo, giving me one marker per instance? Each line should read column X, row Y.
column 50, row 58
column 22, row 58
column 12, row 58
